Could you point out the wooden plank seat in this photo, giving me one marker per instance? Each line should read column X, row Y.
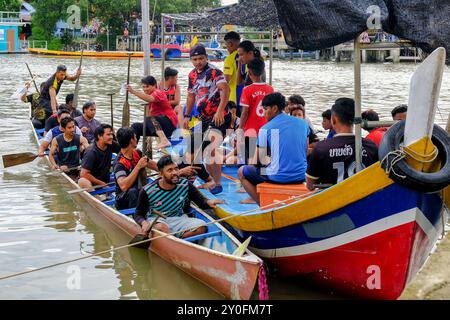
column 103, row 191
column 203, row 236
column 110, row 202
column 271, row 193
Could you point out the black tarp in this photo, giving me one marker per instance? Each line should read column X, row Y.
column 317, row 24
column 248, row 13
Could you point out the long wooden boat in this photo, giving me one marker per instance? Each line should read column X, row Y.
column 102, row 54
column 210, row 259
column 367, row 236
column 155, row 54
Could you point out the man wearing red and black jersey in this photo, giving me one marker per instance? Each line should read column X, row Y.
column 126, row 169
column 209, row 91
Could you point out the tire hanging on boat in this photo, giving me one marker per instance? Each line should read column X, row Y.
column 407, row 176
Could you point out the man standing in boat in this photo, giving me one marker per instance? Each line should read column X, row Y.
column 170, row 194
column 209, row 91
column 69, row 147
column 230, row 66
column 333, row 160
column 52, row 86
column 172, row 90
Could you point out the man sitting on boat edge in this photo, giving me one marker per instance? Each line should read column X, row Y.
column 96, row 163
column 333, row 160
column 169, row 195
column 126, row 169
column 285, row 139
column 54, row 132
column 69, row 147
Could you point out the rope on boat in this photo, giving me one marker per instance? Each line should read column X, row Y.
column 399, row 155
column 294, row 199
column 263, row 288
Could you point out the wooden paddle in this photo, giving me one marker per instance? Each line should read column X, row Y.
column 126, row 105
column 91, row 188
column 11, row 160
column 77, row 84
column 143, row 237
column 32, row 77
column 143, row 172
column 112, row 109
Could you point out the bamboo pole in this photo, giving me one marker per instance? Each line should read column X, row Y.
column 163, row 45
column 271, row 58
column 146, row 35
column 358, row 133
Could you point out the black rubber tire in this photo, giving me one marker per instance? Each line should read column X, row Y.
column 416, row 180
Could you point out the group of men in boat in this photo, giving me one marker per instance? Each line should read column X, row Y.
column 273, row 140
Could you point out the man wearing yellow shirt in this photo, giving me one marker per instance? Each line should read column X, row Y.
column 232, row 40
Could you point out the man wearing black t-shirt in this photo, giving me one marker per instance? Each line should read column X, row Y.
column 333, row 160
column 52, row 86
column 96, row 163
column 127, row 168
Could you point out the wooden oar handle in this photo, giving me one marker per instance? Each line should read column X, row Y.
column 162, row 215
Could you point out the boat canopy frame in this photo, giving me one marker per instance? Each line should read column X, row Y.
column 187, row 33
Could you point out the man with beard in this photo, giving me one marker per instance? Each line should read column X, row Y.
column 96, row 163
column 169, row 195
column 209, row 91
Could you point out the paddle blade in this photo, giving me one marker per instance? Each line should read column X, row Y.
column 239, row 252
column 139, row 238
column 126, row 115
column 10, row 160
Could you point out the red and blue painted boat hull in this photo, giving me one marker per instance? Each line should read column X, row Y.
column 369, row 249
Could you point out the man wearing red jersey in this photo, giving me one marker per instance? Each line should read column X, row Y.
column 252, row 117
column 162, row 120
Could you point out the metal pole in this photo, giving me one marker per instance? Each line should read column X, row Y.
column 271, row 57
column 146, row 35
column 358, row 134
column 163, row 45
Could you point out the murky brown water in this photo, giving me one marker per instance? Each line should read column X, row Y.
column 40, row 224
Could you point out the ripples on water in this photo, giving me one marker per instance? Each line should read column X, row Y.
column 40, row 224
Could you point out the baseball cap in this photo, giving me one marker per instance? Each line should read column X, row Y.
column 61, row 68
column 197, row 50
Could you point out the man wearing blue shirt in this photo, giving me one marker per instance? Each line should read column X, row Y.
column 282, row 147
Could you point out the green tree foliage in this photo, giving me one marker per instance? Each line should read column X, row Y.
column 112, row 12
column 10, row 5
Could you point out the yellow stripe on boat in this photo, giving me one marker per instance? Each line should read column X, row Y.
column 419, row 155
column 103, row 54
column 349, row 191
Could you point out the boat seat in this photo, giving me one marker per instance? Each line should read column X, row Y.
column 110, row 202
column 128, row 212
column 203, row 236
column 270, row 193
column 103, row 191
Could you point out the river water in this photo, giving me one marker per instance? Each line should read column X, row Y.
column 40, row 224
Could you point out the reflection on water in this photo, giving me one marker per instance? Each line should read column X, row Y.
column 41, row 224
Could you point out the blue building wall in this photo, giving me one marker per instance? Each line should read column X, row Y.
column 4, row 37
